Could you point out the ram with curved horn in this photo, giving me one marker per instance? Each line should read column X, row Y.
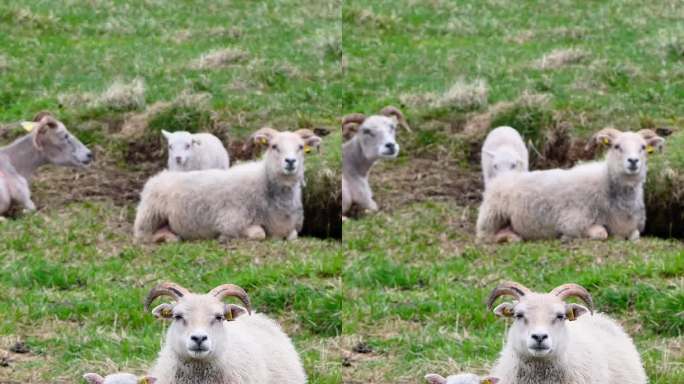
column 209, row 341
column 551, row 340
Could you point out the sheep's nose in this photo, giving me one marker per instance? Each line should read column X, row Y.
column 390, row 146
column 290, row 162
column 199, row 339
column 539, row 337
column 633, row 161
column 178, row 159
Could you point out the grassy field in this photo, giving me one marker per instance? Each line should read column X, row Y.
column 415, row 281
column 117, row 72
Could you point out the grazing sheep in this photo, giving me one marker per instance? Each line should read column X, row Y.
column 252, row 200
column 591, row 200
column 373, row 138
column 503, row 151
column 195, row 152
column 551, row 341
column 209, row 341
column 118, row 378
column 463, row 378
column 48, row 142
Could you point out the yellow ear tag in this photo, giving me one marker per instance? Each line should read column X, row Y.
column 606, row 142
column 166, row 313
column 143, row 381
column 650, row 149
column 28, row 125
column 307, row 149
column 229, row 315
column 570, row 315
column 486, row 381
column 263, row 141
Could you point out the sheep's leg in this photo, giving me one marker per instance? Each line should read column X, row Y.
column 147, row 223
column 634, row 236
column 5, row 199
column 24, row 196
column 165, row 235
column 597, row 232
column 489, row 224
column 255, row 232
column 293, row 235
column 507, row 235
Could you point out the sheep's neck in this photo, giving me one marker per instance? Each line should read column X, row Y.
column 282, row 194
column 196, row 372
column 625, row 194
column 537, row 371
column 356, row 164
column 24, row 156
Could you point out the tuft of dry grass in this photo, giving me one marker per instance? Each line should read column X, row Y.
column 560, row 58
column 464, row 95
column 220, row 58
column 123, row 96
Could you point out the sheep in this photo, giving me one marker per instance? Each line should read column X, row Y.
column 552, row 341
column 48, row 142
column 251, row 200
column 463, row 378
column 374, row 138
column 209, row 341
column 592, row 200
column 118, row 378
column 503, row 151
column 195, row 152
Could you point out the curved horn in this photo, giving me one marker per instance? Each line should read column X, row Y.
column 394, row 111
column 569, row 290
column 509, row 288
column 249, row 144
column 225, row 290
column 165, row 289
column 357, row 118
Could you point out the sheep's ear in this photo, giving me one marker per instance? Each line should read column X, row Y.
column 505, row 310
column 350, row 129
column 573, row 311
column 261, row 139
column 604, row 137
column 653, row 141
column 166, row 134
column 93, row 378
column 147, row 380
column 234, row 311
column 434, row 378
column 163, row 311
column 312, row 142
column 489, row 380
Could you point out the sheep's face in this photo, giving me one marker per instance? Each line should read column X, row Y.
column 285, row 154
column 180, row 145
column 58, row 145
column 198, row 325
column 504, row 161
column 628, row 153
column 118, row 378
column 539, row 327
column 378, row 137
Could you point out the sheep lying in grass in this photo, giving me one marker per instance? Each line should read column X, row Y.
column 209, row 341
column 48, row 142
column 373, row 138
column 118, row 378
column 251, row 200
column 195, row 152
column 551, row 341
column 591, row 200
column 463, row 378
column 503, row 151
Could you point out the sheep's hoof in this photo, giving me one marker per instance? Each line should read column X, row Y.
column 255, row 232
column 507, row 236
column 597, row 232
column 292, row 236
column 164, row 235
column 635, row 236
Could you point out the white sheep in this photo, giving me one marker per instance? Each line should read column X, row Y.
column 462, row 378
column 49, row 142
column 118, row 378
column 503, row 151
column 551, row 341
column 195, row 151
column 372, row 138
column 209, row 341
column 252, row 200
column 591, row 200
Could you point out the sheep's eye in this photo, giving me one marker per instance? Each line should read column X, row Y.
column 643, row 147
column 219, row 318
column 274, row 147
column 560, row 317
column 301, row 147
column 178, row 317
column 187, row 146
column 367, row 132
column 616, row 146
column 512, row 166
column 519, row 315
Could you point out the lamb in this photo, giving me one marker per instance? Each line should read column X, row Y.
column 503, row 151
column 118, row 378
column 194, row 152
column 374, row 138
column 592, row 200
column 463, row 378
column 251, row 200
column 209, row 341
column 48, row 142
column 551, row 341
